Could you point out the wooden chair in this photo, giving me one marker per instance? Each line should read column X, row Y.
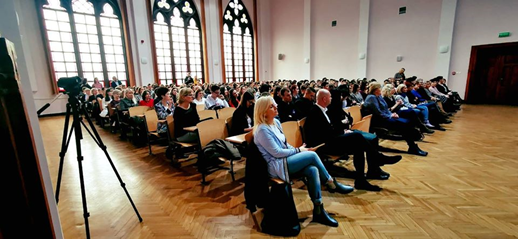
column 138, row 110
column 200, row 107
column 364, row 124
column 152, row 126
column 301, row 126
column 355, row 112
column 293, row 133
column 205, row 114
column 207, row 131
column 228, row 122
column 224, row 113
column 172, row 136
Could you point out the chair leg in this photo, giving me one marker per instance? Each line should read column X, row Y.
column 232, row 170
column 203, row 179
column 149, row 144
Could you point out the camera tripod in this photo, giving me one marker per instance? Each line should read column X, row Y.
column 75, row 109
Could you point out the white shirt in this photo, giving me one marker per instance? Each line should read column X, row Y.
column 201, row 102
column 211, row 101
column 324, row 110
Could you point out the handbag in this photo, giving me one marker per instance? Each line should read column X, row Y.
column 280, row 215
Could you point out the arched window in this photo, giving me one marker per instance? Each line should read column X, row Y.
column 85, row 39
column 238, row 43
column 178, row 47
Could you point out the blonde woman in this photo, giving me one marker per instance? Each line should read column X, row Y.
column 271, row 142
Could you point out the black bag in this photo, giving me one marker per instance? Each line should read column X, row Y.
column 280, row 215
column 214, row 150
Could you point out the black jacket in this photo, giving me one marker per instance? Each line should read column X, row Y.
column 256, row 179
column 302, row 107
column 239, row 120
column 286, row 111
column 317, row 129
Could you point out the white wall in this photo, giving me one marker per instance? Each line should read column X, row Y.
column 412, row 35
column 287, row 28
column 478, row 22
column 334, row 50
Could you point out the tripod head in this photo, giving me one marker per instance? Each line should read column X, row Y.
column 72, row 85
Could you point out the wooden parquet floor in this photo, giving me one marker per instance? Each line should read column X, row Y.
column 466, row 188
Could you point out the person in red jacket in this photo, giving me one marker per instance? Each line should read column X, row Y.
column 146, row 100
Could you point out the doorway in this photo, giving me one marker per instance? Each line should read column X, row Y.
column 493, row 74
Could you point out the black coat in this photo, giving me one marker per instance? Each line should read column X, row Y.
column 317, row 129
column 302, row 107
column 256, row 179
column 286, row 111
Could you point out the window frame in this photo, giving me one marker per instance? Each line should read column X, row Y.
column 253, row 37
column 118, row 10
column 199, row 18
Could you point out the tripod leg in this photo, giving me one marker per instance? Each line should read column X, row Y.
column 78, row 137
column 103, row 147
column 64, row 147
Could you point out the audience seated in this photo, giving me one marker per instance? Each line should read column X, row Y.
column 302, row 161
column 164, row 106
column 146, row 100
column 319, row 129
column 243, row 116
column 213, row 100
column 304, row 104
column 199, row 97
column 286, row 106
column 186, row 115
column 382, row 117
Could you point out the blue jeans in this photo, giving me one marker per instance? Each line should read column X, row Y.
column 422, row 111
column 309, row 164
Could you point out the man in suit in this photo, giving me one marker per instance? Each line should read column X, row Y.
column 116, row 82
column 286, row 107
column 318, row 130
column 304, row 104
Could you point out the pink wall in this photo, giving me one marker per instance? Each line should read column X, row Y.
column 412, row 35
column 287, row 29
column 478, row 22
column 334, row 50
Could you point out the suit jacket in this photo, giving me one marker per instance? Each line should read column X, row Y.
column 302, row 107
column 116, row 83
column 442, row 89
column 377, row 106
column 317, row 129
column 286, row 111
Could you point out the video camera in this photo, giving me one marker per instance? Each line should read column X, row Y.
column 73, row 85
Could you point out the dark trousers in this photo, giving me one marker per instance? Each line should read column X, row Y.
column 356, row 144
column 406, row 125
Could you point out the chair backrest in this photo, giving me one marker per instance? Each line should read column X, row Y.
column 301, row 126
column 356, row 113
column 210, row 130
column 111, row 111
column 151, row 120
column 224, row 113
column 364, row 124
column 249, row 137
column 200, row 107
column 292, row 132
column 170, row 126
column 228, row 121
column 137, row 110
column 204, row 114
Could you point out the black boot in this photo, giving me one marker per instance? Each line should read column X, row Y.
column 340, row 188
column 363, row 184
column 424, row 128
column 414, row 149
column 385, row 159
column 320, row 215
column 378, row 174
